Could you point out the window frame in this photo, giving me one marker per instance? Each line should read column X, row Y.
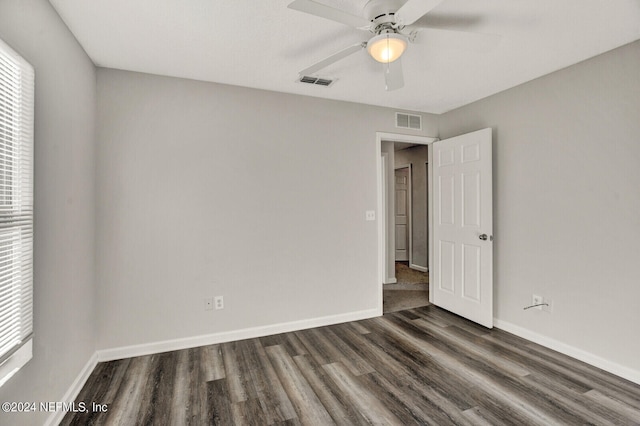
column 17, row 87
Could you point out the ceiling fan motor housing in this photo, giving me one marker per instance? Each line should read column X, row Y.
column 382, row 11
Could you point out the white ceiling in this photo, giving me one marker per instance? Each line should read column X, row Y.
column 263, row 44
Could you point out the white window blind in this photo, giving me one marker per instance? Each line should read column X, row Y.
column 16, row 211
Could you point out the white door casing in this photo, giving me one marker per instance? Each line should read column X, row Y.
column 386, row 275
column 402, row 213
column 462, row 270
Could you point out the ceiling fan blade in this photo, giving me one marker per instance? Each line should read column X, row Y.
column 462, row 40
column 333, row 58
column 327, row 12
column 413, row 10
column 393, row 75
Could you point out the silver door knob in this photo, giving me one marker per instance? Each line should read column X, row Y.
column 484, row 237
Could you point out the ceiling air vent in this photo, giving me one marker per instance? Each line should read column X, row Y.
column 316, row 80
column 408, row 121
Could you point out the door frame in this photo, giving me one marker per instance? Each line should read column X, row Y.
column 383, row 201
column 409, row 210
column 382, row 212
column 428, row 189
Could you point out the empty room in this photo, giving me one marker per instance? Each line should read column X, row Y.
column 319, row 212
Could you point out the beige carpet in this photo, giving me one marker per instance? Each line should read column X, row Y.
column 410, row 291
column 406, row 275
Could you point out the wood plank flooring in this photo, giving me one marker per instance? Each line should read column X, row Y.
column 421, row 366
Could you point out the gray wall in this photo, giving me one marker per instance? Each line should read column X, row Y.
column 206, row 190
column 64, row 205
column 567, row 201
column 417, row 157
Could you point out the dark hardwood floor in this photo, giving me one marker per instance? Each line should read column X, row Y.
column 421, row 366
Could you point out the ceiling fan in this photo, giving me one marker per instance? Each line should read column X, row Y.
column 386, row 20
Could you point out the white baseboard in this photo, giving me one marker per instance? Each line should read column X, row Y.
column 579, row 354
column 390, row 281
column 418, row 268
column 229, row 336
column 56, row 417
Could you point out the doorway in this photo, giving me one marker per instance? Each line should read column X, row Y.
column 459, row 217
column 403, row 231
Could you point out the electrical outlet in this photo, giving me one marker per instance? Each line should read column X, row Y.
column 208, row 304
column 549, row 305
column 219, row 302
column 370, row 215
column 537, row 300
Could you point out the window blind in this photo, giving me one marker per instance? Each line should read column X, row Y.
column 16, row 210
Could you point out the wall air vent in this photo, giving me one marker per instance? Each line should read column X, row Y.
column 326, row 82
column 408, row 121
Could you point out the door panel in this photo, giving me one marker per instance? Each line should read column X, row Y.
column 471, row 272
column 401, row 239
column 471, row 199
column 446, row 266
column 446, row 200
column 463, row 258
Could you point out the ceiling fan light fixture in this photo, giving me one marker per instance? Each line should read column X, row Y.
column 387, row 47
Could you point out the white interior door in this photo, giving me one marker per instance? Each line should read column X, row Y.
column 402, row 214
column 462, row 270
